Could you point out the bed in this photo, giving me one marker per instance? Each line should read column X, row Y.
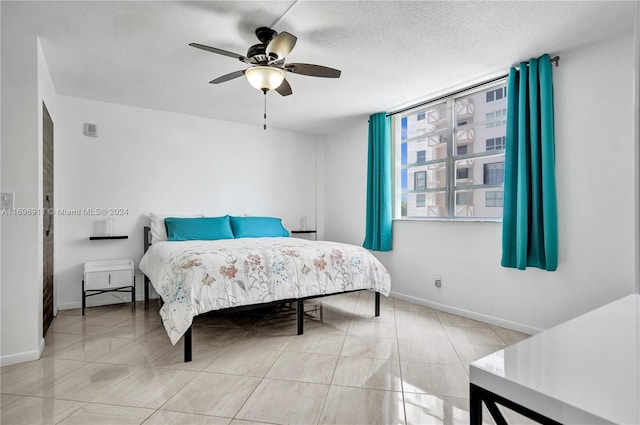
column 198, row 276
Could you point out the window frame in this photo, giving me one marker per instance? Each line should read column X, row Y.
column 452, row 157
column 415, row 179
column 494, row 198
column 498, row 143
column 487, row 169
column 460, row 195
column 462, row 173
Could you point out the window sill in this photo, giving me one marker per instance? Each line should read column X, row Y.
column 453, row 220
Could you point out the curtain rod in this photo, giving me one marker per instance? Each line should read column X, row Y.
column 554, row 59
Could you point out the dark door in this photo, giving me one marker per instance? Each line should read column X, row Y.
column 47, row 217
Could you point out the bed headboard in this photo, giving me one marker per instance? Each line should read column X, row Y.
column 147, row 238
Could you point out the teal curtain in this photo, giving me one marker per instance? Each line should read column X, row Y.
column 530, row 217
column 379, row 180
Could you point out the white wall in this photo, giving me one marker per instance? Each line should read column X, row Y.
column 637, row 130
column 594, row 104
column 152, row 161
column 25, row 85
column 344, row 188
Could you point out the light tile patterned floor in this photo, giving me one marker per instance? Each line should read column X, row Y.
column 117, row 366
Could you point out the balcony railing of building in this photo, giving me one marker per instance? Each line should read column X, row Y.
column 437, row 116
column 435, row 211
column 437, row 139
column 465, row 108
column 465, row 135
column 465, row 163
column 464, row 211
column 464, row 180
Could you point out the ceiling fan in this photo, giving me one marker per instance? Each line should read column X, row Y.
column 267, row 61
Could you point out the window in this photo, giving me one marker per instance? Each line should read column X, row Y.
column 448, row 157
column 496, row 94
column 494, row 173
column 490, row 96
column 498, row 115
column 489, row 118
column 493, row 118
column 493, row 198
column 495, row 143
column 463, row 198
column 420, row 180
column 462, row 173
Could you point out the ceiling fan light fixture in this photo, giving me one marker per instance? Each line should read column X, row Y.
column 265, row 78
column 281, row 46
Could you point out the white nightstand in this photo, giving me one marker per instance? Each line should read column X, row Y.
column 311, row 235
column 108, row 276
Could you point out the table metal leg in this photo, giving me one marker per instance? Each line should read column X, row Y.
column 475, row 406
column 479, row 396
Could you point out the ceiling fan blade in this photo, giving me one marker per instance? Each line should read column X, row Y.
column 284, row 89
column 312, row 70
column 281, row 45
column 218, row 51
column 227, row 77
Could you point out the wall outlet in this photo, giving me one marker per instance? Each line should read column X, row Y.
column 90, row 130
column 8, row 199
column 438, row 281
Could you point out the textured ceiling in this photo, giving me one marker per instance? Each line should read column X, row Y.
column 391, row 53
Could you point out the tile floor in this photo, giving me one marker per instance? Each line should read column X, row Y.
column 117, row 366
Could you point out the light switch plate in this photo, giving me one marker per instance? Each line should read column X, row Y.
column 8, row 199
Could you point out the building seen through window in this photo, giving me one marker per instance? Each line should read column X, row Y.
column 450, row 156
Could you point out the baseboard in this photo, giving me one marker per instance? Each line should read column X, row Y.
column 515, row 326
column 26, row 356
column 78, row 304
column 108, row 299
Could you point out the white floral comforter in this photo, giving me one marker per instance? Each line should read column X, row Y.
column 198, row 276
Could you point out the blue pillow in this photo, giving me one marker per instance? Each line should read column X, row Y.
column 198, row 228
column 257, row 227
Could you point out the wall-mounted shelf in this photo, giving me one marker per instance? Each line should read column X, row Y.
column 100, row 238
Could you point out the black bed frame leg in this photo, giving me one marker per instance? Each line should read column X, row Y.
column 187, row 345
column 300, row 315
column 133, row 293
column 146, row 291
column 377, row 303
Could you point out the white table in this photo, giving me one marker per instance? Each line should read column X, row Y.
column 584, row 371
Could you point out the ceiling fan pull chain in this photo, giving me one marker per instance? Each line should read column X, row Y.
column 265, row 110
